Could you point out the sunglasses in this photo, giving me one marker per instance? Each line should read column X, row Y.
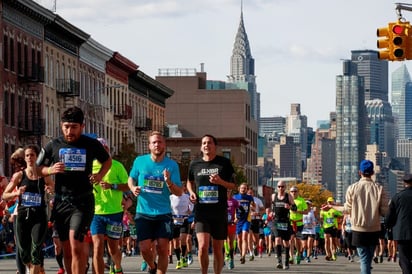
column 293, row 191
column 281, row 186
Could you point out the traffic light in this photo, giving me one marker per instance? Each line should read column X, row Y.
column 395, row 41
column 383, row 43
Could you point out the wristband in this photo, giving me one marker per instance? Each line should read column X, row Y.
column 49, row 170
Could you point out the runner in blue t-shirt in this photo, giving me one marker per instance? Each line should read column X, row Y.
column 243, row 219
column 153, row 178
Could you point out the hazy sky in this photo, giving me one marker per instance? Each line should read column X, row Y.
column 298, row 45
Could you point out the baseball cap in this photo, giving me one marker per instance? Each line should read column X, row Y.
column 330, row 199
column 366, row 167
column 103, row 142
column 293, row 188
column 407, row 178
column 309, row 202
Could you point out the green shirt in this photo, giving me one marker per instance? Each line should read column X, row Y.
column 301, row 206
column 330, row 217
column 109, row 201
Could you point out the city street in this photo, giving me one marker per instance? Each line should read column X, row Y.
column 263, row 265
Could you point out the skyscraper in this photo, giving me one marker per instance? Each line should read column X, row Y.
column 297, row 127
column 374, row 71
column 242, row 68
column 381, row 126
column 350, row 127
column 402, row 102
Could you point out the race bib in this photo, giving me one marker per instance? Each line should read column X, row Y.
column 282, row 226
column 208, row 194
column 153, row 184
column 30, row 199
column 114, row 230
column 179, row 219
column 330, row 221
column 74, row 159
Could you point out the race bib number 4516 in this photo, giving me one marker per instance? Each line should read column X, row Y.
column 74, row 159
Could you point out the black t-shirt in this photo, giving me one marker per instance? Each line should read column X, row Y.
column 211, row 198
column 78, row 158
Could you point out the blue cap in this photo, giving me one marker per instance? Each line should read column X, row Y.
column 366, row 167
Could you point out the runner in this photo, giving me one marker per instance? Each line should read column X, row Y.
column 296, row 217
column 243, row 220
column 267, row 230
column 108, row 214
column 329, row 219
column 282, row 203
column 232, row 205
column 254, row 241
column 182, row 207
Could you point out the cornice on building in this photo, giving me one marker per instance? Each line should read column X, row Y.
column 32, row 9
column 120, row 67
column 95, row 54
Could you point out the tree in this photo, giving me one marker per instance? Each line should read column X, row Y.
column 314, row 192
column 126, row 155
column 239, row 175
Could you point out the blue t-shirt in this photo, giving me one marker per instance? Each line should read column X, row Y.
column 154, row 195
column 243, row 211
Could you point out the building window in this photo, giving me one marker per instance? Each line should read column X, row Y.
column 19, row 59
column 226, row 154
column 185, row 155
column 12, row 110
column 11, row 55
column 6, row 108
column 6, row 52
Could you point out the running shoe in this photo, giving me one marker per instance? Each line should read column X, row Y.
column 231, row 264
column 308, row 259
column 143, row 266
column 154, row 270
column 381, row 258
column 251, row 258
column 184, row 262
column 286, row 266
column 375, row 259
column 279, row 265
column 60, row 271
column 242, row 260
column 189, row 259
column 297, row 259
column 179, row 264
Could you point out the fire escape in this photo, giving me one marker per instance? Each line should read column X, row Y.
column 122, row 113
column 31, row 125
column 68, row 89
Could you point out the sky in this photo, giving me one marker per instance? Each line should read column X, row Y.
column 298, row 45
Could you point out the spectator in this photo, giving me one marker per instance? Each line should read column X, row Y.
column 366, row 202
column 399, row 219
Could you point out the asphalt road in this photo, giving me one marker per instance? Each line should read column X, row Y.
column 264, row 265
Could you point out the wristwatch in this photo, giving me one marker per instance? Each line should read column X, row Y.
column 114, row 186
